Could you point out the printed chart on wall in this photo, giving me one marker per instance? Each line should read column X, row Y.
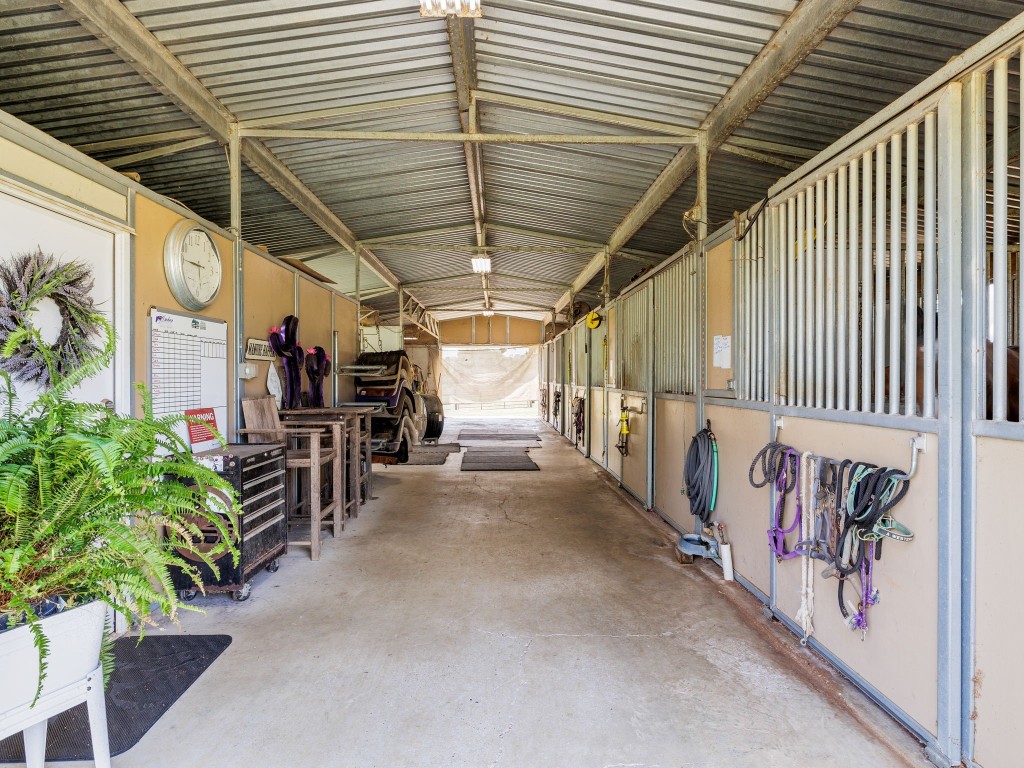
column 189, row 372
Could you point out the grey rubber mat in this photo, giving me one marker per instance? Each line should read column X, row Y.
column 502, row 460
column 148, row 678
column 425, row 459
column 438, row 448
column 502, row 436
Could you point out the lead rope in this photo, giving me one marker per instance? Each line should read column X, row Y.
column 805, row 616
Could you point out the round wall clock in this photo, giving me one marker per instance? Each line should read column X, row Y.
column 192, row 265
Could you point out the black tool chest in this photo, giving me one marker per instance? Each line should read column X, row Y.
column 257, row 473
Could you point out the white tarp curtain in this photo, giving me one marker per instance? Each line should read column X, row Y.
column 487, row 375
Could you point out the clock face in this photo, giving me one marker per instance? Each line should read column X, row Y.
column 192, row 265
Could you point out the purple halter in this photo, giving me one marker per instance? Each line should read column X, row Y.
column 777, row 534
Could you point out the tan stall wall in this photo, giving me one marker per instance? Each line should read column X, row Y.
column 315, row 326
column 899, row 654
column 346, row 319
column 999, row 663
column 152, row 224
column 458, row 331
column 741, row 507
column 614, row 457
column 675, row 422
column 269, row 298
column 523, row 331
column 719, row 309
column 634, row 464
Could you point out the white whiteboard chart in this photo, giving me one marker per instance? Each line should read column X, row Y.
column 189, row 371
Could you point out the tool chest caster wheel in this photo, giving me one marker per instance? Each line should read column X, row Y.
column 241, row 595
column 187, row 595
column 273, row 566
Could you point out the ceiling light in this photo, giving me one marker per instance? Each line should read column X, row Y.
column 488, row 313
column 442, row 8
column 482, row 265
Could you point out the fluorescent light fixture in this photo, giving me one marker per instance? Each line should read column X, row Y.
column 488, row 313
column 443, row 8
column 482, row 265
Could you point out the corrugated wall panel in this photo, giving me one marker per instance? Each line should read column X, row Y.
column 634, row 338
column 668, row 329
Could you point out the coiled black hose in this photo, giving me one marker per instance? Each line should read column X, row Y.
column 701, row 474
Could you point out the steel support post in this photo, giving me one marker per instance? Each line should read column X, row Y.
column 702, row 288
column 401, row 317
column 237, row 256
column 955, row 228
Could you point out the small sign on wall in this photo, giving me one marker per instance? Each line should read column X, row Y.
column 258, row 349
column 722, row 352
column 200, row 436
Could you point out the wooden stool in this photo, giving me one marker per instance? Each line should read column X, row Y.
column 305, row 451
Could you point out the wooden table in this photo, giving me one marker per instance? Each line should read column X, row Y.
column 355, row 420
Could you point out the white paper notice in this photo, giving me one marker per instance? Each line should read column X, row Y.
column 723, row 352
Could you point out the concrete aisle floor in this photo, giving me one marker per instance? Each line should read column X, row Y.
column 496, row 619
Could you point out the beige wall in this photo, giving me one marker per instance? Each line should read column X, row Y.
column 315, row 327
column 741, row 507
column 719, row 266
column 346, row 319
column 596, row 424
column 634, row 464
column 499, row 329
column 999, row 662
column 53, row 176
column 153, row 222
column 269, row 298
column 674, row 426
column 899, row 655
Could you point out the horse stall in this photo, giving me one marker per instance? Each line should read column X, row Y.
column 822, row 337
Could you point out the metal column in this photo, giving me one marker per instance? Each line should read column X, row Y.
column 702, row 292
column 237, row 255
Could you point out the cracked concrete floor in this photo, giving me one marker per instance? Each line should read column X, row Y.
column 495, row 619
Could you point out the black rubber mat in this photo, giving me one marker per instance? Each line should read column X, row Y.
column 148, row 678
column 502, row 460
column 437, row 448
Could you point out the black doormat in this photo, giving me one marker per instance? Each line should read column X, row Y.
column 502, row 460
column 148, row 678
column 437, row 448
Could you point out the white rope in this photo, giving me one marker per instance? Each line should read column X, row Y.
column 805, row 616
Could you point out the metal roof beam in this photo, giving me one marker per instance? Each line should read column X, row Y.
column 113, row 24
column 346, row 111
column 473, row 137
column 805, row 28
column 167, row 149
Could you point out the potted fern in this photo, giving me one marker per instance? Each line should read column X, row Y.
column 93, row 504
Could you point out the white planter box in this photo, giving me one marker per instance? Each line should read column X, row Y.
column 73, row 675
column 75, row 637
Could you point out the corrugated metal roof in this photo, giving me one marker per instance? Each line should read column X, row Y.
column 658, row 60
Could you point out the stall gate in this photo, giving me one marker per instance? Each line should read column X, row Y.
column 868, row 310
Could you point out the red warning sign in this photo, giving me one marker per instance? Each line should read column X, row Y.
column 200, row 433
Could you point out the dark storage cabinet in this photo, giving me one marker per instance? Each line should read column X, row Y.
column 257, row 473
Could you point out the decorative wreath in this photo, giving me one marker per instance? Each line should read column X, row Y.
column 28, row 279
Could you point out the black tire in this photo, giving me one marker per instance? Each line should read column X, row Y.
column 435, row 417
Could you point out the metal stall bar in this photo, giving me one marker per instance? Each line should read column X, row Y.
column 1000, row 161
column 895, row 267
column 910, row 322
column 928, row 266
column 819, row 294
column 779, row 373
column 809, row 315
column 842, row 297
column 853, row 299
column 880, row 200
column 801, row 325
column 751, row 304
column 866, row 290
column 737, row 251
column 759, row 255
column 1020, row 233
column 793, row 235
column 830, row 291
